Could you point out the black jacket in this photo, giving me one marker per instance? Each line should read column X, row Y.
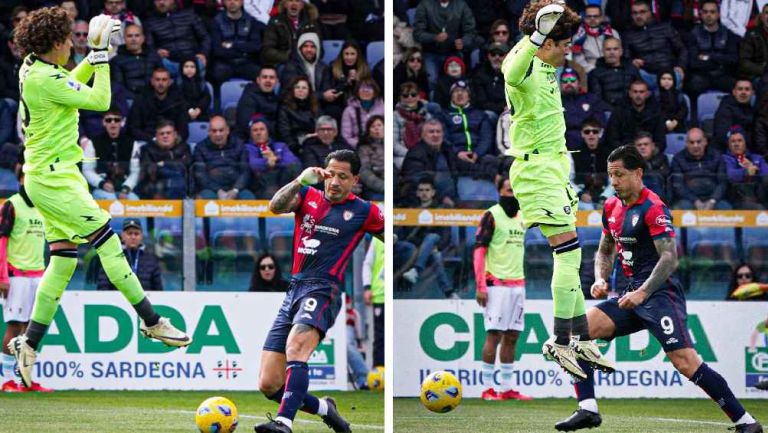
column 255, row 102
column 722, row 47
column 656, row 174
column 701, row 179
column 730, row 113
column 611, row 83
column 279, row 40
column 147, row 110
column 753, row 52
column 221, row 168
column 625, row 122
column 114, row 156
column 422, row 160
column 400, row 76
column 293, row 124
column 244, row 34
column 196, row 96
column 164, row 171
column 133, row 71
column 657, row 44
column 181, row 32
column 488, row 88
column 315, row 151
column 144, row 264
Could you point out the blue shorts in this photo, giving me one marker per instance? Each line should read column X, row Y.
column 663, row 315
column 310, row 302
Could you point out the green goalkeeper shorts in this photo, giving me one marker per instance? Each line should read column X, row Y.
column 69, row 211
column 542, row 186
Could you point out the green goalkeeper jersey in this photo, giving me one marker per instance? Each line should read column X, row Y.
column 50, row 98
column 532, row 91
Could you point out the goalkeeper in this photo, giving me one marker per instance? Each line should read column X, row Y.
column 539, row 174
column 50, row 98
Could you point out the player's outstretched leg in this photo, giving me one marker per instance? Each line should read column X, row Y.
column 585, row 348
column 587, row 415
column 118, row 271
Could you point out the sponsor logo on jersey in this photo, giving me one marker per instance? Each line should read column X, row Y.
column 312, row 204
column 671, row 340
column 663, row 220
column 310, row 246
column 327, row 230
column 74, row 85
column 612, row 220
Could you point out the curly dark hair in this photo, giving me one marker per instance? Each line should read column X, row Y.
column 565, row 28
column 42, row 29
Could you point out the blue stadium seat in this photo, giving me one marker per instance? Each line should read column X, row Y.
column 374, row 53
column 281, row 245
column 331, row 49
column 675, row 143
column 607, row 117
column 209, row 86
column 707, row 104
column 474, row 58
column 198, row 131
column 705, row 237
column 688, row 103
column 411, row 15
column 230, row 93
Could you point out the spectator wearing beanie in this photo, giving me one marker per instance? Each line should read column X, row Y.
column 454, row 70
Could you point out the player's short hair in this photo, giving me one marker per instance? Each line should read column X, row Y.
column 629, row 155
column 42, row 29
column 345, row 155
column 565, row 28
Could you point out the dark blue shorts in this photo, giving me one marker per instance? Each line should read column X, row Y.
column 310, row 302
column 663, row 315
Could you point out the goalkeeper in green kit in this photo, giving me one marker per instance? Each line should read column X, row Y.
column 50, row 98
column 540, row 172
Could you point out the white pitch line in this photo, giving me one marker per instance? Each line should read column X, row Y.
column 263, row 418
column 689, row 421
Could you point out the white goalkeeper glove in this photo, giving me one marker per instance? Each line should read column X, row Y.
column 546, row 19
column 100, row 30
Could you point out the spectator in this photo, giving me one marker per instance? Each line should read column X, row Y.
column 621, row 15
column 366, row 103
column 258, row 100
column 272, row 163
column 306, row 62
column 162, row 101
column 753, row 51
column 734, row 109
column 236, row 42
column 195, row 91
column 116, row 10
column 657, row 169
column 760, row 138
column 325, row 140
column 743, row 274
column 294, row 18
column 341, row 77
column 409, row 115
column 332, row 18
column 641, row 114
column 142, row 261
column 177, row 35
column 111, row 161
column 713, row 55
column 454, row 70
column 698, row 176
column 411, row 69
column 164, row 163
column 747, row 173
column 266, row 276
column 9, row 72
column 221, row 164
column 578, row 107
column 431, row 157
column 70, row 6
column 589, row 38
column 612, row 75
column 9, row 166
column 674, row 109
column 133, row 65
column 487, row 13
column 296, row 115
column 371, row 153
column 79, row 44
column 91, row 123
column 430, row 240
column 488, row 82
column 443, row 28
column 653, row 46
column 402, row 35
column 7, row 122
column 590, row 164
column 499, row 33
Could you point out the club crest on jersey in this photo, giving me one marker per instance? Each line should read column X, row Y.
column 312, row 204
column 74, row 85
column 348, row 214
column 635, row 219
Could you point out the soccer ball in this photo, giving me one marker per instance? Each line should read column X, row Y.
column 441, row 392
column 376, row 379
column 216, row 415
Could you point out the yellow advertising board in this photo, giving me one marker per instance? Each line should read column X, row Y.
column 142, row 208
column 235, row 208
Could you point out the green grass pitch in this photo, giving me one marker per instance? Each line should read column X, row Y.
column 165, row 411
column 619, row 416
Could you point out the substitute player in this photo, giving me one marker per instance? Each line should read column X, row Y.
column 50, row 98
column 22, row 262
column 539, row 174
column 637, row 225
column 500, row 281
column 327, row 228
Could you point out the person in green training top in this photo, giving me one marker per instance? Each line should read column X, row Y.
column 539, row 173
column 50, row 99
column 373, row 286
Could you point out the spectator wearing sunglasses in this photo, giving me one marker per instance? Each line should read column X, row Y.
column 111, row 160
column 266, row 276
column 579, row 106
column 588, row 41
column 411, row 68
column 79, row 43
column 488, row 82
column 590, row 165
column 743, row 274
column 410, row 114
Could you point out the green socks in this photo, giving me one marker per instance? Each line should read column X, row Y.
column 55, row 279
column 116, row 266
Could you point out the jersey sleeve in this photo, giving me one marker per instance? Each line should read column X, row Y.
column 7, row 216
column 68, row 91
column 606, row 211
column 302, row 194
column 516, row 65
column 374, row 224
column 659, row 221
column 485, row 230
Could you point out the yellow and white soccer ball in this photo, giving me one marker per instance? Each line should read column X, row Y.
column 376, row 379
column 441, row 392
column 216, row 415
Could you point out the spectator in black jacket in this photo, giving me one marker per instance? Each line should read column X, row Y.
column 195, row 91
column 641, row 114
column 258, row 100
column 293, row 19
column 176, row 35
column 133, row 65
column 164, row 164
column 590, row 164
column 430, row 157
column 578, row 107
column 296, row 115
column 326, row 139
column 411, row 68
column 221, row 165
column 488, row 82
column 160, row 101
column 674, row 109
column 734, row 109
column 698, row 176
column 753, row 51
column 612, row 75
column 266, row 276
column 306, row 62
column 653, row 46
column 657, row 169
column 713, row 53
column 341, row 77
column 236, row 42
column 111, row 160
column 143, row 262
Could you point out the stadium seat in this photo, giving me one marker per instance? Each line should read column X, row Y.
column 374, row 53
column 198, row 131
column 474, row 58
column 411, row 15
column 710, row 253
column 675, row 143
column 281, row 245
column 331, row 49
column 707, row 104
column 209, row 86
column 754, row 246
column 230, row 93
column 688, row 103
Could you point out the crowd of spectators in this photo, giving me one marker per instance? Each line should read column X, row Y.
column 168, row 65
column 635, row 74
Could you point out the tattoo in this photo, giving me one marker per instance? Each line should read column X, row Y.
column 604, row 257
column 286, row 198
column 301, row 328
column 667, row 264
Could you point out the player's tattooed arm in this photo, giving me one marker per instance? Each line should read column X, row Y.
column 286, row 198
column 604, row 257
column 667, row 264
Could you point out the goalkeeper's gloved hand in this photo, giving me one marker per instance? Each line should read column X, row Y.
column 546, row 19
column 100, row 30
